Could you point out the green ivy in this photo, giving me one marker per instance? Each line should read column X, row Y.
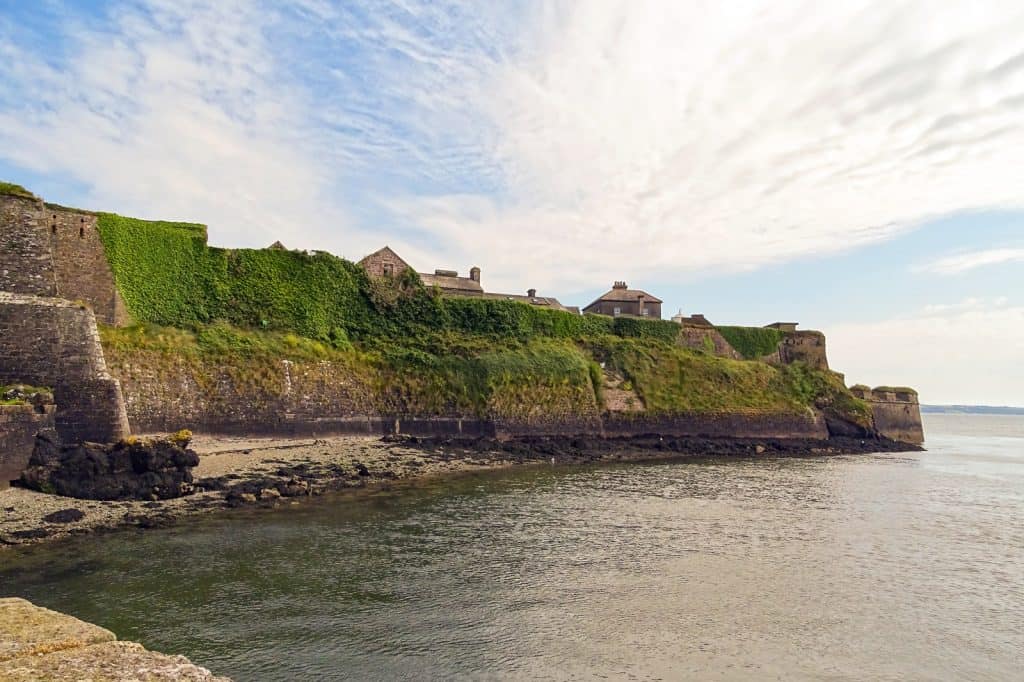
column 752, row 343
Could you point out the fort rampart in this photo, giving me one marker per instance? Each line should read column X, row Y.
column 54, row 343
column 896, row 412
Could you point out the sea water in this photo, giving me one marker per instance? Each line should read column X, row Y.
column 889, row 566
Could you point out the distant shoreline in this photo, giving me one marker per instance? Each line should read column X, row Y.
column 972, row 409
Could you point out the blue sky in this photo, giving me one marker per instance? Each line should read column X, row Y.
column 855, row 168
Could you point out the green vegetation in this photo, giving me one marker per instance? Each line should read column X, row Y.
column 20, row 394
column 169, row 276
column 675, row 379
column 399, row 346
column 752, row 342
column 895, row 389
column 16, row 190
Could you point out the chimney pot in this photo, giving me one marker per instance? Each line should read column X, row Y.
column 532, row 293
column 474, row 274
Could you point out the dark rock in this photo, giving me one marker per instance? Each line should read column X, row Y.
column 31, row 534
column 132, row 470
column 362, row 470
column 65, row 516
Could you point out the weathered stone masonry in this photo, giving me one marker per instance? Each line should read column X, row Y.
column 896, row 413
column 26, row 264
column 49, row 250
column 55, row 343
column 19, row 425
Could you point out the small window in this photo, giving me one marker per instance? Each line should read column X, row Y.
column 644, row 312
column 81, row 233
column 617, row 312
column 53, row 228
column 389, row 269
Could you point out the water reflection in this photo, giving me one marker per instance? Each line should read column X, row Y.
column 803, row 568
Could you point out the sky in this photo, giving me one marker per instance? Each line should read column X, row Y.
column 855, row 167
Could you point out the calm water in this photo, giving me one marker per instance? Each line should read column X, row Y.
column 866, row 567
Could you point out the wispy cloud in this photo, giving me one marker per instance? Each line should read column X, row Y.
column 965, row 262
column 559, row 144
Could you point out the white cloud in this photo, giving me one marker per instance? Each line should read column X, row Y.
column 649, row 138
column 965, row 262
column 560, row 146
column 174, row 111
column 971, row 352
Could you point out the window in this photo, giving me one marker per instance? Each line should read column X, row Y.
column 389, row 269
column 617, row 312
column 644, row 312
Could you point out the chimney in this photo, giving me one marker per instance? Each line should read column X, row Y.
column 474, row 274
column 619, row 285
column 532, row 293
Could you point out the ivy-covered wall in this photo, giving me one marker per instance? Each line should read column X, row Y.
column 752, row 342
column 168, row 275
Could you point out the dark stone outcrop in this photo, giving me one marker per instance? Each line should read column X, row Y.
column 136, row 470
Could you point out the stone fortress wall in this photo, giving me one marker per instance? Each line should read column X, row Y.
column 59, row 283
column 55, row 343
column 896, row 412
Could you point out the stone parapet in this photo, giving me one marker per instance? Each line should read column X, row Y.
column 896, row 412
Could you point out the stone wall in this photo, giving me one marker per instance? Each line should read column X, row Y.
column 738, row 424
column 19, row 425
column 167, row 392
column 80, row 263
column 707, row 339
column 26, row 264
column 800, row 346
column 896, row 412
column 50, row 250
column 54, row 343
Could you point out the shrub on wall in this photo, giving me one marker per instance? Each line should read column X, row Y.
column 752, row 342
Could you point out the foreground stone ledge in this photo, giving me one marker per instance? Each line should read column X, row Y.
column 42, row 645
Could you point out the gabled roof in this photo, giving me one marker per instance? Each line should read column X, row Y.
column 386, row 251
column 449, row 282
column 625, row 296
column 545, row 301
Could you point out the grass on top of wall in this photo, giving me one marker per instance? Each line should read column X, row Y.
column 15, row 190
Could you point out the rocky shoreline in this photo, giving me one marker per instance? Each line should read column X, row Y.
column 262, row 472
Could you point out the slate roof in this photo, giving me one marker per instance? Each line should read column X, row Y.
column 626, row 296
column 453, row 283
column 545, row 301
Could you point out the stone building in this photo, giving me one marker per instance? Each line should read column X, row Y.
column 449, row 282
column 386, row 263
column 695, row 320
column 622, row 300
